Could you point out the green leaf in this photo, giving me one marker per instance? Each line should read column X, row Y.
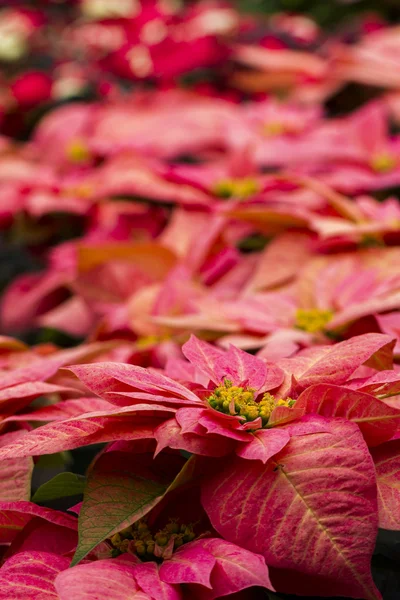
column 119, row 492
column 62, row 485
column 58, row 459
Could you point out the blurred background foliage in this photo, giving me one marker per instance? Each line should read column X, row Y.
column 326, row 12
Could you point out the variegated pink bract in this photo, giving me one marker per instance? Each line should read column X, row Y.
column 308, row 415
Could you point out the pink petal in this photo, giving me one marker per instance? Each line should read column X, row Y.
column 280, row 261
column 107, row 377
column 241, row 368
column 225, row 425
column 102, row 579
column 18, row 396
column 15, row 515
column 148, row 577
column 203, row 355
column 236, row 569
column 31, row 575
column 301, row 518
column 190, row 564
column 169, row 435
column 38, row 371
column 42, row 536
column 335, row 364
column 377, row 421
column 89, row 428
column 15, row 473
column 381, row 384
column 131, row 398
column 63, row 410
column 189, row 420
column 264, row 444
column 387, row 465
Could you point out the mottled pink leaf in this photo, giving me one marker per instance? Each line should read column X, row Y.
column 38, row 371
column 335, row 364
column 169, row 435
column 286, row 414
column 64, row 410
column 15, row 473
column 188, row 419
column 242, row 368
column 148, row 577
column 382, row 384
column 42, row 536
column 182, row 370
column 311, row 509
column 108, row 377
column 274, row 377
column 203, row 355
column 18, row 396
column 378, row 421
column 235, row 569
column 15, row 515
column 131, row 398
column 234, row 364
column 85, row 352
column 221, row 424
column 191, row 564
column 102, row 579
column 126, row 423
column 387, row 465
column 280, row 261
column 264, row 444
column 30, row 576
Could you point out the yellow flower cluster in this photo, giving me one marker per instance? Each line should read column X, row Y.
column 77, row 151
column 138, row 539
column 233, row 400
column 313, row 320
column 236, row 188
column 383, row 162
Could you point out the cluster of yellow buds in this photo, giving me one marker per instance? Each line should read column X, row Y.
column 273, row 128
column 138, row 539
column 234, row 400
column 383, row 162
column 78, row 151
column 313, row 320
column 236, row 188
column 151, row 340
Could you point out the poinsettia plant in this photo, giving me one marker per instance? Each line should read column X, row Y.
column 264, row 440
column 177, row 168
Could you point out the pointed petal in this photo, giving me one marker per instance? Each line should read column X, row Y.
column 102, row 579
column 15, row 473
column 190, row 564
column 169, row 435
column 202, row 355
column 298, row 516
column 148, row 577
column 108, row 377
column 89, row 428
column 241, row 368
column 265, row 443
column 335, row 364
column 387, row 464
column 236, row 569
column 15, row 515
column 31, row 575
column 377, row 421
